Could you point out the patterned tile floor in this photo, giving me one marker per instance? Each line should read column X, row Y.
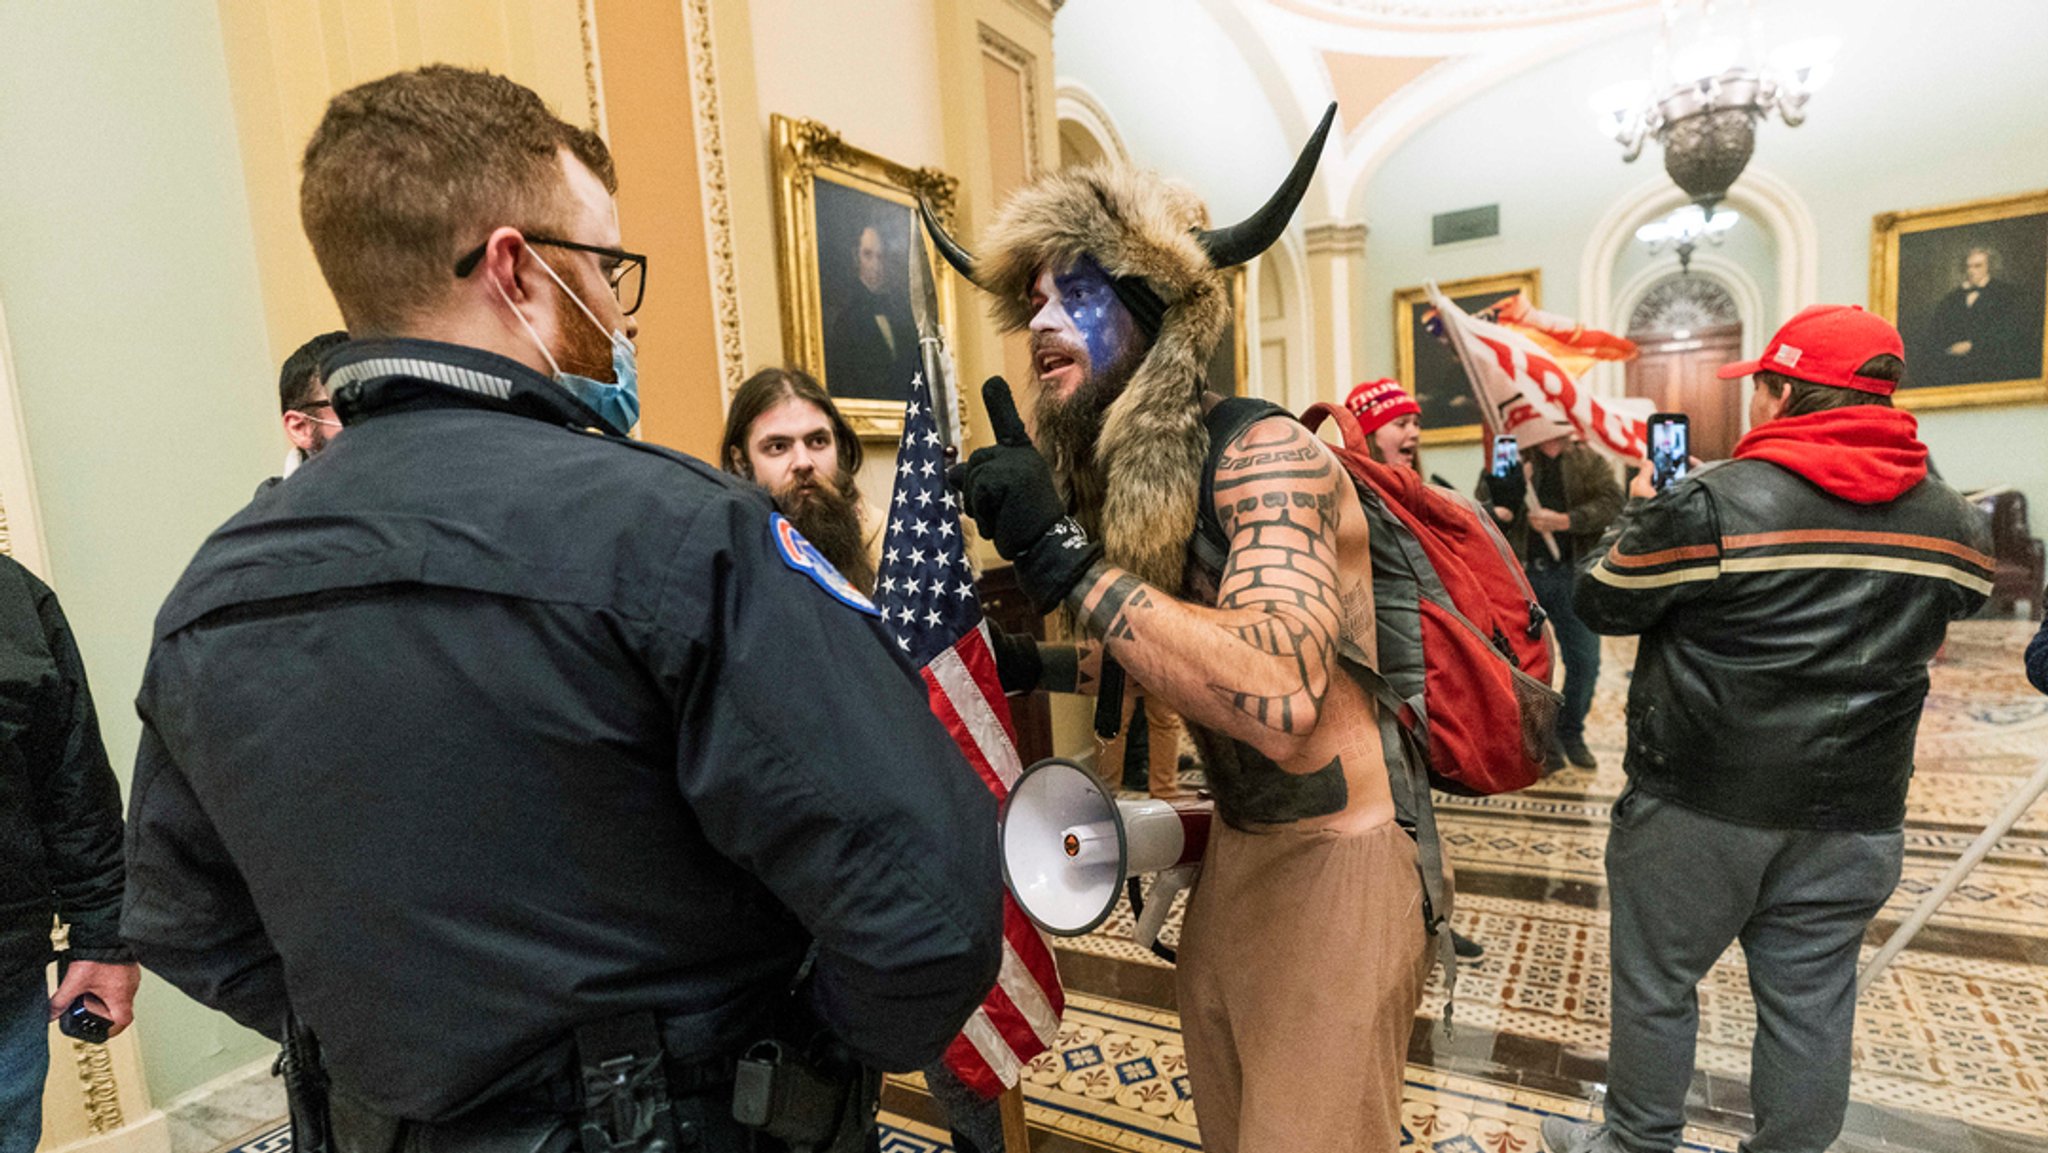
column 1953, row 1040
column 1957, row 1029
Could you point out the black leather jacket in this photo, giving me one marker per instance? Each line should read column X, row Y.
column 60, row 808
column 1785, row 639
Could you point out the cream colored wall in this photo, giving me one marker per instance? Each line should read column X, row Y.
column 130, row 279
column 285, row 61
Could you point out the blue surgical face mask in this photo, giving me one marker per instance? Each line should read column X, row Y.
column 616, row 400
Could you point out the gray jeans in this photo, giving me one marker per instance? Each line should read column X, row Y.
column 1682, row 886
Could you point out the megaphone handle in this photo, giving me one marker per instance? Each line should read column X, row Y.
column 1109, row 702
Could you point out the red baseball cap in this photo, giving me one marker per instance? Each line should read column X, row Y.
column 1826, row 344
column 1378, row 402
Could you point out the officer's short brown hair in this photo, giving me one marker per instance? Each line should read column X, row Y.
column 406, row 173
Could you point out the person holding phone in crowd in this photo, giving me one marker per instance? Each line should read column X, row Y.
column 1575, row 497
column 60, row 853
column 1788, row 602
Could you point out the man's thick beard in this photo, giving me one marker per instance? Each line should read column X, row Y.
column 1067, row 431
column 829, row 517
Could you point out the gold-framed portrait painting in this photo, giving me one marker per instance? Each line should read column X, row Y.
column 1967, row 286
column 847, row 230
column 1428, row 368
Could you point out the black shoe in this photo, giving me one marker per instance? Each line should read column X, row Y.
column 1465, row 947
column 1579, row 755
column 1553, row 758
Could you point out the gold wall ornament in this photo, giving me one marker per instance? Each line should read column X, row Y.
column 826, row 193
column 712, row 174
column 1427, row 367
column 1917, row 270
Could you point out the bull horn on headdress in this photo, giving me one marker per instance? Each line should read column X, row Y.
column 1225, row 246
column 958, row 257
column 1257, row 232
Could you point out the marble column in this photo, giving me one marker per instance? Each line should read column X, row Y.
column 1336, row 280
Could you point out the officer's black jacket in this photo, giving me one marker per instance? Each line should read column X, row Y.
column 1785, row 639
column 482, row 726
column 60, row 808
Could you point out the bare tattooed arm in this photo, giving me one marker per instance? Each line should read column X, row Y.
column 1257, row 666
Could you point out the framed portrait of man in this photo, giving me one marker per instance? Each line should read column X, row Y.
column 847, row 232
column 1429, row 369
column 1967, row 286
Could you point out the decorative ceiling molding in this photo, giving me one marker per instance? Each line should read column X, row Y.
column 1333, row 238
column 1074, row 101
column 1453, row 15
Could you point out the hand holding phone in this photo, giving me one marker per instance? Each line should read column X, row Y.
column 1507, row 455
column 81, row 1023
column 1670, row 448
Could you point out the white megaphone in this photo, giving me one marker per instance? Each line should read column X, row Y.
column 1068, row 846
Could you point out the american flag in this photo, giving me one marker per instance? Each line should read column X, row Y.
column 926, row 594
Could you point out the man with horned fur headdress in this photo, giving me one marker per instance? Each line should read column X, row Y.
column 1304, row 951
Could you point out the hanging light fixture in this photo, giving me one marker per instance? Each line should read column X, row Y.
column 1684, row 229
column 1706, row 92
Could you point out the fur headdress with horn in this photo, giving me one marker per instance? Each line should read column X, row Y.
column 1138, row 493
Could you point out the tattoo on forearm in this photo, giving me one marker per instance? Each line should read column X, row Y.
column 1106, row 616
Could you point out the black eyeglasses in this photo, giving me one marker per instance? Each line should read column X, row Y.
column 625, row 271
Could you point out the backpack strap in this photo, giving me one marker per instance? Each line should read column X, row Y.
column 1224, row 422
column 1402, row 725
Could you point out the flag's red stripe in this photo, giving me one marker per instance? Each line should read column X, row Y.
column 981, row 665
column 1012, row 1026
column 942, row 707
column 966, row 1063
column 1038, row 960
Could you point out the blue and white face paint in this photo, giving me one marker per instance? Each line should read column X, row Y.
column 1081, row 333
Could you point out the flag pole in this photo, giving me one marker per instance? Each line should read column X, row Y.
column 1016, row 1134
column 2015, row 807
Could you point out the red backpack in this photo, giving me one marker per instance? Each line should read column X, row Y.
column 1463, row 650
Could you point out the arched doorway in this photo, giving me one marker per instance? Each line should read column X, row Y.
column 1687, row 326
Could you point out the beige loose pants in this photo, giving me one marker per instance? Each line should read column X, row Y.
column 1302, row 961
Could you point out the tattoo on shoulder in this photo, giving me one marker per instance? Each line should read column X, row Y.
column 1276, row 493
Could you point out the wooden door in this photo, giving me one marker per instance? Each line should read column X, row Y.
column 1678, row 376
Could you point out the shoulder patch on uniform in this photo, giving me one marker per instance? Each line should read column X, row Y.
column 804, row 557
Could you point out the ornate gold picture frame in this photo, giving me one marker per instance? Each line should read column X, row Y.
column 1967, row 286
column 846, row 228
column 1429, row 369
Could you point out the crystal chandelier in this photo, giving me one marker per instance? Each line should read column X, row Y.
column 1706, row 92
column 1684, row 229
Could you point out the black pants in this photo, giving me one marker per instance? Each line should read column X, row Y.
column 1579, row 645
column 707, row 1116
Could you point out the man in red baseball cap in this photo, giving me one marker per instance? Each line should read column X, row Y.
column 1788, row 602
column 1391, row 419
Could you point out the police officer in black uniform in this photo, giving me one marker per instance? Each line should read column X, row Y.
column 549, row 780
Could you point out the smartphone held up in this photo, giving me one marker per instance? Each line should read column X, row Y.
column 1670, row 448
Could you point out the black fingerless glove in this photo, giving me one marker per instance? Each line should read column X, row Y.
column 1008, row 489
column 1019, row 667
